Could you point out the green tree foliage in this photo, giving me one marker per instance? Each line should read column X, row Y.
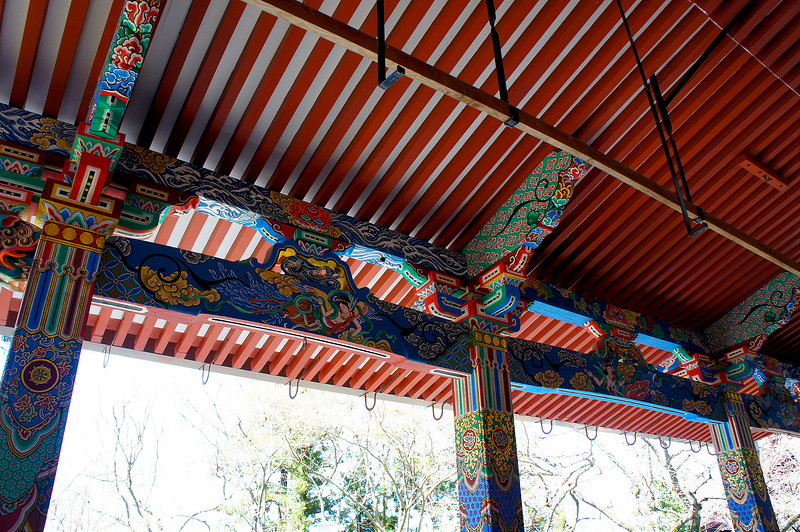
column 287, row 465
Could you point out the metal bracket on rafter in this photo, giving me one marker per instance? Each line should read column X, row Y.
column 514, row 113
column 658, row 106
column 385, row 82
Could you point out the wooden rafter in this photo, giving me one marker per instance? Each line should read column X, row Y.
column 365, row 45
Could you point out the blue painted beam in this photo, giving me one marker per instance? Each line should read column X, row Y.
column 577, row 309
column 317, row 296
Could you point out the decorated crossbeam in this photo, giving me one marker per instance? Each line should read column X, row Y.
column 750, row 322
column 764, row 312
column 315, row 295
column 238, row 201
column 23, row 179
column 572, row 307
column 310, row 293
column 733, row 365
column 529, row 215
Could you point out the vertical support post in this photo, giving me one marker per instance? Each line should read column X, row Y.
column 76, row 218
column 748, row 499
column 43, row 360
column 488, row 483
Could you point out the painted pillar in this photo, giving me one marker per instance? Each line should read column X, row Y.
column 75, row 218
column 42, row 362
column 486, row 450
column 748, row 499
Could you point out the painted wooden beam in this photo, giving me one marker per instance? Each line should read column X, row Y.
column 764, row 312
column 367, row 46
column 324, row 306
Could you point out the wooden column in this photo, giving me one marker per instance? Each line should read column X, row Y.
column 748, row 498
column 488, row 474
column 43, row 359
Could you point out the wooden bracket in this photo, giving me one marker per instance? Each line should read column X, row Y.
column 761, row 172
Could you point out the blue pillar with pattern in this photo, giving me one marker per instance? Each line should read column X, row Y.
column 748, row 498
column 488, row 474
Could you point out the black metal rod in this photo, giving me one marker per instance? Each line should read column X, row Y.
column 700, row 60
column 498, row 51
column 664, row 128
column 381, row 43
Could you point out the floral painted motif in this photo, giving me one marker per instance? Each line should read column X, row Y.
column 581, row 381
column 530, row 214
column 549, row 379
column 765, row 311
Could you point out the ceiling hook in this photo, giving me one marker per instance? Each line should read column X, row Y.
column 205, row 372
column 441, row 413
column 296, row 389
column 661, row 442
column 708, row 449
column 586, row 430
column 699, row 448
column 541, row 425
column 626, row 438
column 106, row 355
column 374, row 401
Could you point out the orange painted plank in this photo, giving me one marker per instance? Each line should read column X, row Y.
column 165, row 336
column 265, row 354
column 66, row 54
column 187, row 339
column 333, row 366
column 122, row 331
column 247, row 348
column 28, row 50
column 144, row 333
column 291, row 349
column 5, row 305
column 347, row 371
column 208, row 67
column 101, row 324
column 208, row 343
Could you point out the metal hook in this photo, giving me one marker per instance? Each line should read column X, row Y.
column 541, row 425
column 106, row 355
column 699, row 448
column 296, row 389
column 661, row 442
column 374, row 401
column 433, row 409
column 626, row 438
column 205, row 372
column 586, row 430
column 708, row 449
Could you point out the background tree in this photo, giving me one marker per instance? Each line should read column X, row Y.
column 253, row 460
column 780, row 460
